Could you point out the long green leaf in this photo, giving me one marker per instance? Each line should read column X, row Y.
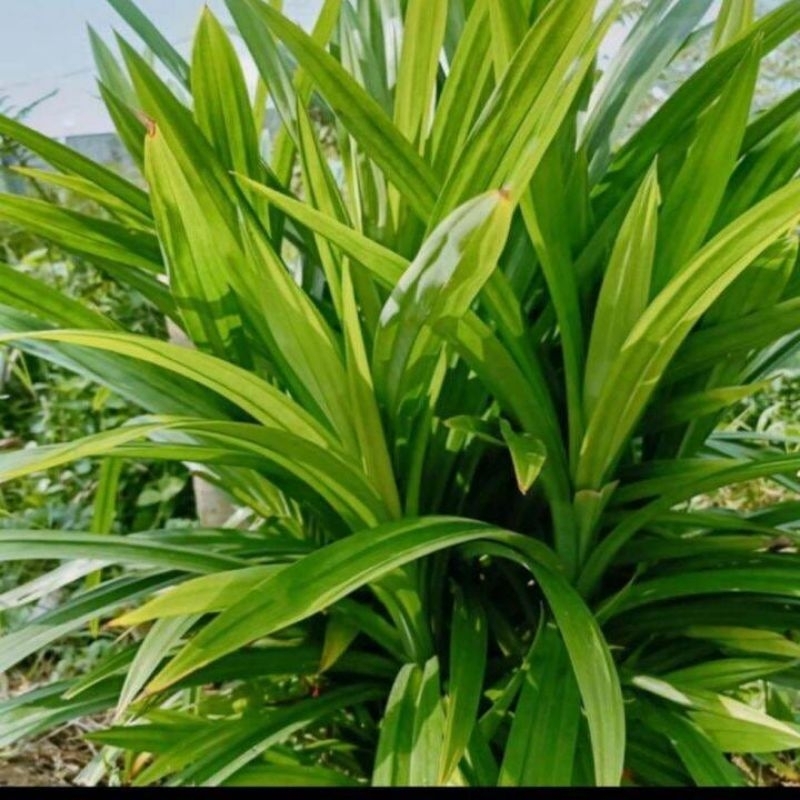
column 443, row 280
column 423, row 37
column 526, row 109
column 295, row 593
column 81, row 186
column 75, row 614
column 689, row 207
column 459, row 102
column 22, row 291
column 468, row 643
column 693, row 96
column 250, row 393
column 84, row 235
column 655, row 38
column 153, row 38
column 541, row 743
column 73, row 163
column 151, row 652
column 625, row 291
column 360, row 114
column 735, row 17
column 221, row 103
column 20, row 545
column 666, row 323
column 732, row 725
column 700, row 756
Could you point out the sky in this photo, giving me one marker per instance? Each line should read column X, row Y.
column 44, row 46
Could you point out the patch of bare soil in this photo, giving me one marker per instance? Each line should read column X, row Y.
column 55, row 759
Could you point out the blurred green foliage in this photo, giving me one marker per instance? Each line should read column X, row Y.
column 41, row 404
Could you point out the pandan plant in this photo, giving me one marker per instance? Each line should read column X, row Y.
column 464, row 397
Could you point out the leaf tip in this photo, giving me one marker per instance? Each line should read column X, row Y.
column 149, row 123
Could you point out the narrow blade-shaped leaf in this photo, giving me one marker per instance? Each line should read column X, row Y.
column 625, row 291
column 540, row 750
column 468, row 643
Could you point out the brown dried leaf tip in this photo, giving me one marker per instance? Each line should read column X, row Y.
column 148, row 122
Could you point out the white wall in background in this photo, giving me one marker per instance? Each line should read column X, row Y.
column 44, row 46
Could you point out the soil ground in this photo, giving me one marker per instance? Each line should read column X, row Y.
column 52, row 760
